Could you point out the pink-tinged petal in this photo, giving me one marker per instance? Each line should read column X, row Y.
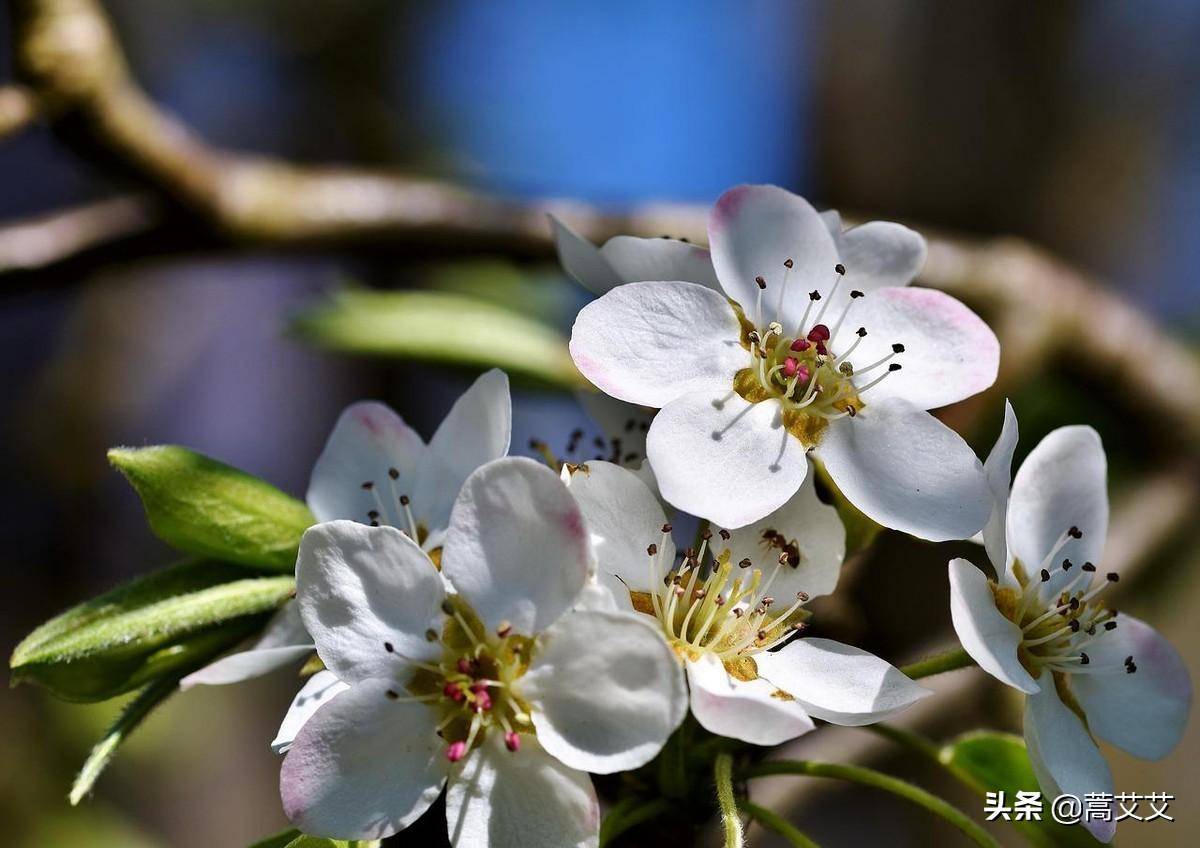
column 364, row 766
column 721, row 458
column 908, row 471
column 1144, row 712
column 623, row 518
column 368, row 440
column 637, row 259
column 475, row 431
column 750, row 710
column 368, row 595
column 1061, row 484
column 1063, row 755
column 998, row 468
column 809, row 532
column 949, row 353
column 752, row 231
column 317, row 691
column 518, row 547
column 839, row 683
column 648, row 343
column 583, row 260
column 990, row 638
column 512, row 799
column 606, row 690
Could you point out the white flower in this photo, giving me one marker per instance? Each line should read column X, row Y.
column 502, row 689
column 1044, row 628
column 725, row 607
column 801, row 350
column 377, row 470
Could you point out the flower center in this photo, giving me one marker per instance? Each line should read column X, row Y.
column 471, row 687
column 798, row 367
column 394, row 509
column 1057, row 627
column 718, row 606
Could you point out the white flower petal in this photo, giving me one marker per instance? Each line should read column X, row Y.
column 949, row 352
column 361, row 589
column 1061, row 484
column 517, row 550
column 475, row 431
column 583, row 260
column 752, row 711
column 880, row 254
column 317, row 691
column 990, row 638
column 623, row 517
column 505, row 799
column 807, row 526
column 832, row 219
column 606, row 690
column 648, row 343
column 908, row 471
column 731, row 463
column 751, row 232
column 1063, row 755
column 368, row 439
column 636, row 259
column 364, row 766
column 246, row 665
column 282, row 642
column 998, row 468
column 1144, row 713
column 839, row 683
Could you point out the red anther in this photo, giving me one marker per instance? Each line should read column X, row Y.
column 802, row 374
column 483, row 701
column 453, row 691
column 464, row 666
column 819, row 333
column 456, row 751
column 790, row 366
column 821, row 349
column 800, row 345
column 512, row 741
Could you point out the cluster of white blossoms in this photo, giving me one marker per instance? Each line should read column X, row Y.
column 496, row 630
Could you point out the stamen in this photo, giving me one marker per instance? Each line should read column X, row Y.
column 762, row 286
column 787, row 273
column 895, row 366
column 855, row 294
column 840, row 270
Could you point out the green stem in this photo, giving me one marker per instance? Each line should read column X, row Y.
column 938, row 663
column 923, row 745
column 730, row 819
column 879, row 780
column 778, row 824
column 628, row 814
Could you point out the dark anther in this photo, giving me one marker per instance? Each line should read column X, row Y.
column 855, row 294
column 814, row 295
column 1074, row 603
column 897, row 348
column 652, row 549
column 666, row 528
column 389, row 647
column 368, row 486
column 431, row 635
column 762, row 284
column 404, row 500
column 1075, row 533
column 861, row 332
column 724, row 534
column 787, row 263
column 577, row 434
column 1083, row 658
column 706, row 535
column 745, row 563
column 1130, row 669
column 1129, row 660
column 372, row 514
column 447, row 607
column 1074, row 625
column 690, row 553
column 895, row 366
column 1087, row 566
column 1067, row 565
column 1045, row 575
column 1110, row 625
column 393, row 694
column 839, row 269
column 1112, row 577
column 851, row 411
column 393, row 473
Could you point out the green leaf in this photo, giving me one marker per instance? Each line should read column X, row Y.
column 991, row 761
column 440, row 327
column 305, row 841
column 131, row 716
column 279, row 840
column 204, row 507
column 174, row 619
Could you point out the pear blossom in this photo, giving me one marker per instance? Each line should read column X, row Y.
column 725, row 608
column 811, row 344
column 1044, row 628
column 504, row 690
column 377, row 470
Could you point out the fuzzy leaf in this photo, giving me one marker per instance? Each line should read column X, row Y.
column 170, row 620
column 991, row 761
column 201, row 506
column 441, row 327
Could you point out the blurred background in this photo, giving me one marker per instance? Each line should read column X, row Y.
column 1073, row 125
